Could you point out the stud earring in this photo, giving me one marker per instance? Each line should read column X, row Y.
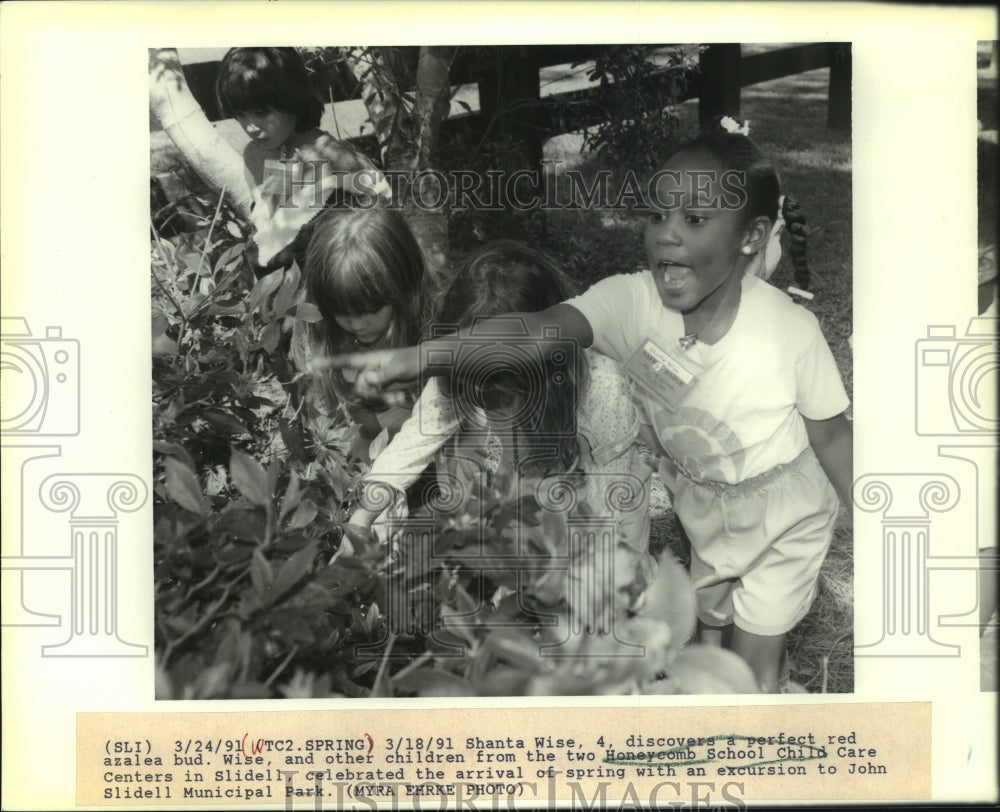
column 746, row 249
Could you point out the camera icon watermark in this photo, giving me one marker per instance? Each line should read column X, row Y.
column 502, row 370
column 41, row 381
column 40, row 406
column 955, row 395
column 957, row 380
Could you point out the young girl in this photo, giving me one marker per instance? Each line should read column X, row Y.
column 293, row 167
column 572, row 414
column 737, row 388
column 365, row 272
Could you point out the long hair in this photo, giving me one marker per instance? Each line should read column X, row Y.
column 358, row 261
column 762, row 189
column 509, row 277
column 252, row 79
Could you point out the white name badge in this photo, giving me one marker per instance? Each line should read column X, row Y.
column 662, row 374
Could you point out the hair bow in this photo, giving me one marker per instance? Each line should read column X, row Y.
column 730, row 125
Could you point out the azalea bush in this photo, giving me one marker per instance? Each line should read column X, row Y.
column 262, row 587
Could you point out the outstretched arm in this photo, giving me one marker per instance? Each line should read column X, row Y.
column 444, row 356
column 833, row 442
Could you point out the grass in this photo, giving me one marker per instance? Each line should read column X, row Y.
column 788, row 122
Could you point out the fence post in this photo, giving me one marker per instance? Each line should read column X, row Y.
column 720, row 82
column 838, row 116
column 510, row 93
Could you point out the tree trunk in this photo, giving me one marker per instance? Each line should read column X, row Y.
column 408, row 137
column 182, row 118
column 430, row 108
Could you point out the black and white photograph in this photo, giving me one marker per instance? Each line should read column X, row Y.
column 549, row 514
column 446, row 405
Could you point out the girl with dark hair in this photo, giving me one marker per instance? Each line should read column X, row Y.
column 293, row 167
column 566, row 417
column 736, row 387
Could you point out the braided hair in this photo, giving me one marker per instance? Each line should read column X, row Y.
column 795, row 225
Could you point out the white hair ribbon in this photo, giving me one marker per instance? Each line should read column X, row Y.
column 731, row 125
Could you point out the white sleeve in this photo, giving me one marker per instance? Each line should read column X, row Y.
column 820, row 393
column 612, row 309
column 430, row 426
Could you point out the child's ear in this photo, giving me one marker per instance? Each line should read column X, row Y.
column 756, row 235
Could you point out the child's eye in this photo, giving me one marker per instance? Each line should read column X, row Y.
column 657, row 217
column 694, row 219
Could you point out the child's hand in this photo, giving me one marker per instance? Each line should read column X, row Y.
column 379, row 368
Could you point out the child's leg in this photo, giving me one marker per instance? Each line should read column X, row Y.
column 714, row 635
column 763, row 654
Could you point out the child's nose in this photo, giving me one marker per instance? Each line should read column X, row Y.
column 666, row 230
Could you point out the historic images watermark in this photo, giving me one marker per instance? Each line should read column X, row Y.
column 459, row 190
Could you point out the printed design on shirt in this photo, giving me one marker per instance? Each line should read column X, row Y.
column 705, row 446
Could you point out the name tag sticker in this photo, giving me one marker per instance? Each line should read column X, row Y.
column 661, row 374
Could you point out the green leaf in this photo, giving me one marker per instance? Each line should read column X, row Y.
column 458, row 623
column 273, row 472
column 225, row 310
column 159, row 324
column 308, row 312
column 285, row 298
column 192, row 303
column 265, row 286
column 270, row 336
column 261, row 576
column 173, row 450
column 183, row 487
column 345, row 575
column 358, row 534
column 292, row 626
column 304, row 515
column 225, row 422
column 248, row 475
column 294, row 569
column 516, row 649
column 241, row 523
column 293, row 495
column 163, row 345
column 191, row 261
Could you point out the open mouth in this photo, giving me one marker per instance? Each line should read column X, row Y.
column 672, row 274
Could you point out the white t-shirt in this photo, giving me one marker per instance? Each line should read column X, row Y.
column 743, row 413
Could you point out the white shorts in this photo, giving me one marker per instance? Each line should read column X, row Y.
column 757, row 547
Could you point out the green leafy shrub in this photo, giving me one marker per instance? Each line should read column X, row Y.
column 262, row 588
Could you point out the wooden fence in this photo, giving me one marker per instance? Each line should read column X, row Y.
column 509, row 90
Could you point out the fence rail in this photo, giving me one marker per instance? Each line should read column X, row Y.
column 509, row 86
